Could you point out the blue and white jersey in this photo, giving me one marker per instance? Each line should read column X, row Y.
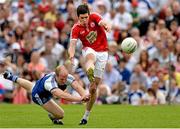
column 41, row 92
column 134, row 97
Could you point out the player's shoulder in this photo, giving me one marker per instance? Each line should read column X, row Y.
column 70, row 77
column 76, row 26
column 49, row 77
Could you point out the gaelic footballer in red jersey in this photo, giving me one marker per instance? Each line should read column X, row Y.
column 90, row 29
column 91, row 34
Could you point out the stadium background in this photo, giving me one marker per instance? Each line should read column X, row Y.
column 34, row 37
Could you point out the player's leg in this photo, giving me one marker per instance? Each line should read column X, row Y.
column 22, row 82
column 90, row 103
column 56, row 113
column 93, row 92
column 90, row 57
column 98, row 73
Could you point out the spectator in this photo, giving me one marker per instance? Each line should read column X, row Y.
column 155, row 63
column 114, row 55
column 123, row 20
column 20, row 96
column 144, row 60
column 159, row 94
column 51, row 14
column 35, row 64
column 176, row 11
column 169, row 17
column 103, row 93
column 139, row 75
column 51, row 30
column 124, row 72
column 174, row 92
column 8, row 85
column 39, row 38
column 111, row 76
column 149, row 98
column 118, row 95
column 27, row 50
column 152, row 71
column 146, row 12
column 49, row 59
column 135, row 93
column 173, row 74
column 44, row 7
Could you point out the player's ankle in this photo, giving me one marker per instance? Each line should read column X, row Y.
column 8, row 75
column 86, row 115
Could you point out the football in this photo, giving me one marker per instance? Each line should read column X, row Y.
column 129, row 45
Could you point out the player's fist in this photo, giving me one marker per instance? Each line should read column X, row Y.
column 85, row 98
column 107, row 27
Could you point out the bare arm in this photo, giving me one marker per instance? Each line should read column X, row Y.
column 106, row 26
column 61, row 94
column 85, row 97
column 78, row 88
column 71, row 50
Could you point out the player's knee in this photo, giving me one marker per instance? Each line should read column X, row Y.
column 60, row 115
column 93, row 90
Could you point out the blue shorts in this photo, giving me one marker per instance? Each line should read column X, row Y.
column 40, row 98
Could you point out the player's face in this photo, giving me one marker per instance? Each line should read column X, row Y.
column 83, row 19
column 62, row 79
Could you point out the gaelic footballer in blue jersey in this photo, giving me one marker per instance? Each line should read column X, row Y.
column 50, row 85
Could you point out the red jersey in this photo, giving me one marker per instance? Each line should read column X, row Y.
column 93, row 36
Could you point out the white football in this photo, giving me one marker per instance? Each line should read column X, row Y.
column 129, row 45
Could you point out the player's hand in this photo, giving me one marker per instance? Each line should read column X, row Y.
column 86, row 98
column 107, row 27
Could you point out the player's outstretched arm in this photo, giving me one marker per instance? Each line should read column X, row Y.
column 61, row 94
column 106, row 26
column 81, row 91
column 71, row 50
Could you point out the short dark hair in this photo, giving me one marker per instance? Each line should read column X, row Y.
column 82, row 9
column 172, row 68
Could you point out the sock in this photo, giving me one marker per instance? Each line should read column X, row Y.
column 86, row 115
column 14, row 78
column 8, row 75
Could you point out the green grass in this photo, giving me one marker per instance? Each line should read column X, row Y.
column 103, row 116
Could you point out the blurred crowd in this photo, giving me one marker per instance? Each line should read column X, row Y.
column 34, row 37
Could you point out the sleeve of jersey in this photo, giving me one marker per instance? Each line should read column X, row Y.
column 74, row 33
column 70, row 79
column 96, row 17
column 50, row 84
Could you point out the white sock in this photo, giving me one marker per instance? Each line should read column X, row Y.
column 86, row 115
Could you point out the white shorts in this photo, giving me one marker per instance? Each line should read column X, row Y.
column 101, row 59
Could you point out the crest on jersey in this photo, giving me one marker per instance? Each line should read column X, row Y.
column 92, row 36
column 92, row 24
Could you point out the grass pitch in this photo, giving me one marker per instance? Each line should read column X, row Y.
column 103, row 116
